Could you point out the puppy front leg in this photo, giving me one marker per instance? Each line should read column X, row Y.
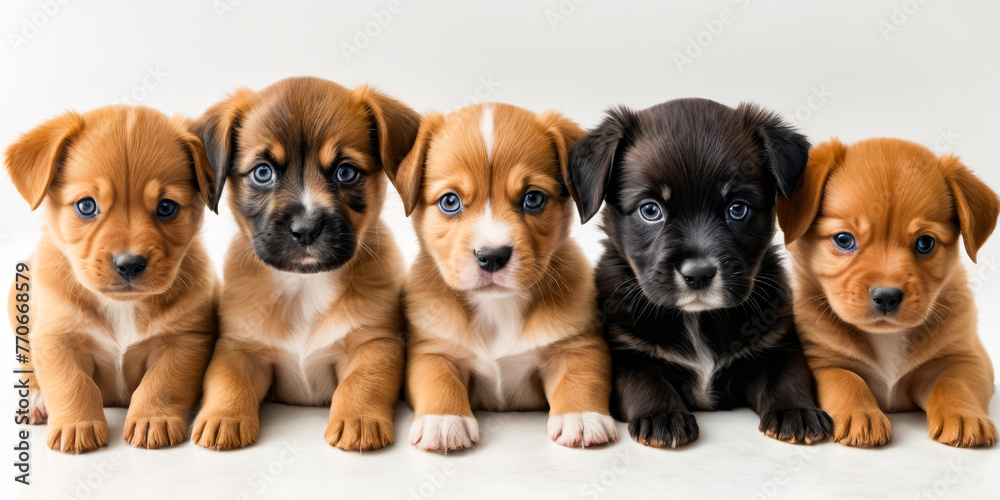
column 782, row 397
column 857, row 418
column 365, row 400
column 642, row 396
column 75, row 406
column 235, row 383
column 160, row 407
column 957, row 404
column 442, row 415
column 576, row 377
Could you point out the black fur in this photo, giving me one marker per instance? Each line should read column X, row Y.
column 706, row 156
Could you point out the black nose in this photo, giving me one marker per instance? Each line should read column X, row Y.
column 886, row 300
column 698, row 276
column 305, row 232
column 129, row 266
column 492, row 259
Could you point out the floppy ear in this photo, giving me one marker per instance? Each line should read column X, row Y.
column 217, row 129
column 564, row 134
column 797, row 212
column 31, row 161
column 976, row 204
column 408, row 178
column 395, row 126
column 787, row 150
column 593, row 157
column 204, row 174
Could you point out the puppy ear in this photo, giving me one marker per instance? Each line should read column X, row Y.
column 976, row 204
column 787, row 150
column 217, row 129
column 204, row 174
column 564, row 134
column 32, row 161
column 408, row 178
column 798, row 211
column 594, row 156
column 395, row 126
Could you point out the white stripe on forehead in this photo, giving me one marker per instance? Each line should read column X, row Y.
column 486, row 129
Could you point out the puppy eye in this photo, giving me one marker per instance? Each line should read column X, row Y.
column 925, row 245
column 845, row 242
column 166, row 209
column 450, row 204
column 534, row 201
column 738, row 211
column 650, row 211
column 263, row 175
column 85, row 208
column 347, row 174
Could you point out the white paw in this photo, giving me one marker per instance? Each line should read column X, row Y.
column 444, row 432
column 582, row 429
column 37, row 414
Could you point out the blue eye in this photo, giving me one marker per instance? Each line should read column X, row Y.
column 534, row 201
column 845, row 242
column 263, row 175
column 925, row 245
column 450, row 204
column 650, row 211
column 738, row 211
column 347, row 174
column 85, row 208
column 166, row 209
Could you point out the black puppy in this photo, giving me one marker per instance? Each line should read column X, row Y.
column 697, row 305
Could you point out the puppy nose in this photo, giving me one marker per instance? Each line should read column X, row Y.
column 492, row 259
column 305, row 232
column 886, row 300
column 699, row 275
column 129, row 266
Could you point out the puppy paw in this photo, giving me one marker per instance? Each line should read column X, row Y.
column 359, row 433
column 78, row 437
column 797, row 425
column 665, row 430
column 444, row 432
column 151, row 432
column 964, row 431
column 225, row 432
column 582, row 429
column 37, row 414
column 861, row 429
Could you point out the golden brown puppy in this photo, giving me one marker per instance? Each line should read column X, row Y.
column 500, row 302
column 882, row 303
column 122, row 295
column 310, row 312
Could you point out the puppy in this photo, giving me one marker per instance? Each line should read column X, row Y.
column 698, row 311
column 310, row 313
column 122, row 294
column 500, row 302
column 886, row 314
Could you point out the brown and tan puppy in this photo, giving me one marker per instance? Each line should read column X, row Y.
column 882, row 303
column 310, row 311
column 122, row 295
column 500, row 302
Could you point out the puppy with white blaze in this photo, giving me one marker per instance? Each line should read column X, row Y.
column 697, row 305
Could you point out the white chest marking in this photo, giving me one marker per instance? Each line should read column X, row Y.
column 503, row 366
column 702, row 364
column 890, row 351
column 124, row 333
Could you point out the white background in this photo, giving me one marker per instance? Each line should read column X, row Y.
column 852, row 69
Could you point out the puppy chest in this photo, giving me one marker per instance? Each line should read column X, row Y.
column 508, row 383
column 118, row 363
column 889, row 379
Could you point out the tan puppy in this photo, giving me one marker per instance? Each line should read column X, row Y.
column 310, row 313
column 122, row 309
column 500, row 303
column 882, row 304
